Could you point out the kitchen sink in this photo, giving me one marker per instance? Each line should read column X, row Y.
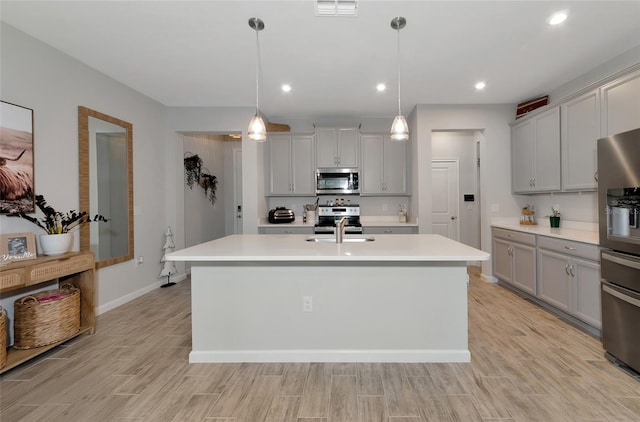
column 345, row 239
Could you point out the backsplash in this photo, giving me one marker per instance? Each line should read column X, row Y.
column 369, row 206
column 573, row 206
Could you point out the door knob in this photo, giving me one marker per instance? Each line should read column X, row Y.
column 453, row 217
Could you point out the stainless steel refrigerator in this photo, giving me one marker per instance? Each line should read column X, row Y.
column 619, row 204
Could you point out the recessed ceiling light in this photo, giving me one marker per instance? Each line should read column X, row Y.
column 558, row 17
column 381, row 87
column 286, row 88
column 480, row 85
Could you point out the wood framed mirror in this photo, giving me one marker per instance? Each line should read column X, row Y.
column 105, row 146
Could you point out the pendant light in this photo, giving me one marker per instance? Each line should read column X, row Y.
column 257, row 128
column 399, row 128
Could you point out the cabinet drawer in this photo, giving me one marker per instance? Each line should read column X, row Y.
column 390, row 230
column 514, row 236
column 11, row 279
column 54, row 269
column 569, row 247
column 286, row 230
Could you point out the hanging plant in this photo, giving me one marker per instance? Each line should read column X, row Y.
column 209, row 183
column 192, row 168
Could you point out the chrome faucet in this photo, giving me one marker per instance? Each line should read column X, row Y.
column 340, row 229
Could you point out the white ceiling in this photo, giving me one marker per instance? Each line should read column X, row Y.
column 203, row 53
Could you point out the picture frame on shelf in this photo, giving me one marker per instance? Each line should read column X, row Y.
column 17, row 247
column 16, row 159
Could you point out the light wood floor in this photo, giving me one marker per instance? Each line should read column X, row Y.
column 527, row 365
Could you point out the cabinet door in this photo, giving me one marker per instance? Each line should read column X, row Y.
column 371, row 174
column 621, row 105
column 554, row 281
column 580, row 130
column 502, row 259
column 326, row 147
column 395, row 167
column 279, row 165
column 522, row 157
column 547, row 151
column 348, row 147
column 302, row 168
column 586, row 282
column 524, row 267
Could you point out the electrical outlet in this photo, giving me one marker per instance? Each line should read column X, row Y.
column 307, row 304
column 140, row 259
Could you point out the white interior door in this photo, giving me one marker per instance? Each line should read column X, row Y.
column 237, row 189
column 444, row 208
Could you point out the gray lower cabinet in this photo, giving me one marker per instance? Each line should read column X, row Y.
column 514, row 259
column 389, row 230
column 569, row 278
column 284, row 229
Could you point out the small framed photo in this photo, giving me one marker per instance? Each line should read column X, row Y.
column 17, row 247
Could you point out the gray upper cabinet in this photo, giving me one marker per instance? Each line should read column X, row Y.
column 535, row 149
column 580, row 130
column 291, row 165
column 384, row 166
column 337, row 147
column 621, row 105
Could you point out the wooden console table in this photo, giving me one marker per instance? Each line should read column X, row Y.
column 77, row 268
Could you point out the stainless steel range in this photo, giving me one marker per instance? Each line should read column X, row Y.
column 328, row 215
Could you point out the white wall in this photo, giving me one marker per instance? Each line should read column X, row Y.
column 205, row 221
column 220, row 120
column 461, row 146
column 51, row 83
column 495, row 174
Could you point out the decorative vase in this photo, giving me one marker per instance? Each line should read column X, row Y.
column 554, row 221
column 56, row 244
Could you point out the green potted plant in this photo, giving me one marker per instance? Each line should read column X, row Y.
column 554, row 218
column 57, row 226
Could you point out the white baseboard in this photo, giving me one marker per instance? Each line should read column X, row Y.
column 133, row 295
column 228, row 356
column 488, row 279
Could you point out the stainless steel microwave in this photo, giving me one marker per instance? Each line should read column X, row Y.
column 337, row 181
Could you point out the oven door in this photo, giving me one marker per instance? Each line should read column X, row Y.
column 620, row 304
column 620, row 330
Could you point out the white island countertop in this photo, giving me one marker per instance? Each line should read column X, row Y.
column 295, row 247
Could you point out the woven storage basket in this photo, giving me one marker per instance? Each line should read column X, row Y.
column 3, row 339
column 46, row 317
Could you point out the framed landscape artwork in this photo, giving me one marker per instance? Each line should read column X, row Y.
column 16, row 159
column 17, row 247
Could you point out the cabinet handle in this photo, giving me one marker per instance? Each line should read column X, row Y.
column 510, row 235
column 595, row 175
column 569, row 248
column 533, row 181
column 566, row 269
column 571, row 271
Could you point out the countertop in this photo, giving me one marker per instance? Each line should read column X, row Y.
column 585, row 236
column 365, row 221
column 294, row 247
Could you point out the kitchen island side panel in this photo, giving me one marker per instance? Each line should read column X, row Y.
column 362, row 312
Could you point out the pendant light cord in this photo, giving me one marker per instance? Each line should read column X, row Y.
column 398, row 62
column 257, row 70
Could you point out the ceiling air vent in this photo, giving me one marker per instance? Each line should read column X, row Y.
column 336, row 7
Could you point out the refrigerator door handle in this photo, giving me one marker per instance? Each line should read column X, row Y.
column 621, row 296
column 625, row 262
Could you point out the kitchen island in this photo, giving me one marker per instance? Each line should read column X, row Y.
column 281, row 298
